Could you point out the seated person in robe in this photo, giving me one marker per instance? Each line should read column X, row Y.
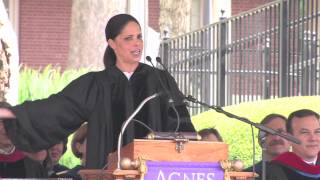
column 274, row 145
column 303, row 162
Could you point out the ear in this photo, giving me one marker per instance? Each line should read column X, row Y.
column 111, row 43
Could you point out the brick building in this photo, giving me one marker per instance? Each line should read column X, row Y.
column 43, row 26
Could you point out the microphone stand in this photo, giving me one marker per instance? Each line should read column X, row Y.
column 264, row 160
column 245, row 120
column 125, row 124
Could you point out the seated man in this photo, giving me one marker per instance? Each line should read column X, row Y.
column 210, row 134
column 273, row 145
column 302, row 163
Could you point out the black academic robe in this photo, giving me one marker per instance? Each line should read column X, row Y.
column 288, row 166
column 105, row 100
column 17, row 165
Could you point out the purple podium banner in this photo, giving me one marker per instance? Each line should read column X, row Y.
column 183, row 171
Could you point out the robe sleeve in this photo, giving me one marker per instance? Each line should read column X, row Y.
column 42, row 123
column 185, row 123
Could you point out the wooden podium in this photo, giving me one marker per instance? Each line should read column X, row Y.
column 164, row 150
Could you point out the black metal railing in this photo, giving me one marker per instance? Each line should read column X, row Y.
column 268, row 52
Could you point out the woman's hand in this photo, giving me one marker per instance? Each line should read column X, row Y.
column 6, row 113
column 5, row 142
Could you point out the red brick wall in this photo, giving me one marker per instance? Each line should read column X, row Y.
column 44, row 32
column 45, row 28
column 154, row 13
column 238, row 6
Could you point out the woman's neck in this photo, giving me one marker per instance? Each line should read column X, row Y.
column 127, row 67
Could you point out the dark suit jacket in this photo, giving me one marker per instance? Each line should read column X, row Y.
column 258, row 169
column 281, row 171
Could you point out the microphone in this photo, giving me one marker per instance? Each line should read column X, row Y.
column 158, row 59
column 171, row 102
column 148, row 58
column 126, row 122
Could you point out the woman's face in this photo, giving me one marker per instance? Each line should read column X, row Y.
column 128, row 45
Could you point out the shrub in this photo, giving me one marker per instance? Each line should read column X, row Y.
column 41, row 83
